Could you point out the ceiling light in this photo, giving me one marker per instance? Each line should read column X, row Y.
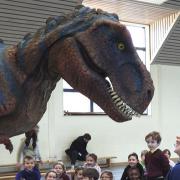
column 153, row 1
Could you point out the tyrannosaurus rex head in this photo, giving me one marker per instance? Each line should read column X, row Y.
column 104, row 50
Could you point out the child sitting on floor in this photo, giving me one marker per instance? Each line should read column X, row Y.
column 30, row 171
column 106, row 175
column 133, row 161
column 78, row 173
column 91, row 162
column 134, row 174
column 90, row 174
column 174, row 173
column 59, row 168
column 167, row 153
column 51, row 175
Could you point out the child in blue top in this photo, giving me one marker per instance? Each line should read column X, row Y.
column 174, row 173
column 30, row 172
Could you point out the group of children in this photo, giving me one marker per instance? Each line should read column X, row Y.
column 155, row 165
column 90, row 170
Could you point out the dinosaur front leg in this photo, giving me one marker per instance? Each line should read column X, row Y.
column 7, row 142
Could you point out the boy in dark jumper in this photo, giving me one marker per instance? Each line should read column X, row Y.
column 156, row 163
column 30, row 172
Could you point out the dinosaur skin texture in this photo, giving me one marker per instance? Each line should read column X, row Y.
column 84, row 48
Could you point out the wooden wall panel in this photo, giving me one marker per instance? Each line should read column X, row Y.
column 159, row 30
column 18, row 17
column 169, row 51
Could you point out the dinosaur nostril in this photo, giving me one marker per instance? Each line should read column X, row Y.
column 149, row 94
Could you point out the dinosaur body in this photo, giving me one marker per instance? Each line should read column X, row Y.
column 84, row 48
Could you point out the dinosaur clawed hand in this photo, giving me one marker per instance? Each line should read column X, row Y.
column 7, row 142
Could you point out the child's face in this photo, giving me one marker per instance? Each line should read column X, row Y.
column 132, row 161
column 29, row 164
column 152, row 143
column 167, row 154
column 90, row 161
column 87, row 178
column 105, row 176
column 51, row 176
column 79, row 175
column 177, row 146
column 134, row 175
column 58, row 169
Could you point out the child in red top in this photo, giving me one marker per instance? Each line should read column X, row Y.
column 156, row 163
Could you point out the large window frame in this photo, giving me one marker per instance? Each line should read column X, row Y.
column 93, row 108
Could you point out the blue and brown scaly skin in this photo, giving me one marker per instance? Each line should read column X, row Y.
column 84, row 48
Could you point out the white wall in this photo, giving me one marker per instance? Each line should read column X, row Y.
column 169, row 98
column 109, row 137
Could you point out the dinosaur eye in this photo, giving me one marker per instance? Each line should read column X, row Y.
column 121, row 46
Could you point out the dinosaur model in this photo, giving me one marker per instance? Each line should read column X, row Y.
column 85, row 48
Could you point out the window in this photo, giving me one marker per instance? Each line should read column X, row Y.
column 88, row 107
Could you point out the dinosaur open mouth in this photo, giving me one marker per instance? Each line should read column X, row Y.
column 122, row 106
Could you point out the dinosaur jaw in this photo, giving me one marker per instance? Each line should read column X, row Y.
column 112, row 104
column 121, row 105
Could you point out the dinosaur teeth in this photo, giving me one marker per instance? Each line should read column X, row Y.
column 110, row 90
column 113, row 93
column 121, row 105
column 115, row 97
column 117, row 100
